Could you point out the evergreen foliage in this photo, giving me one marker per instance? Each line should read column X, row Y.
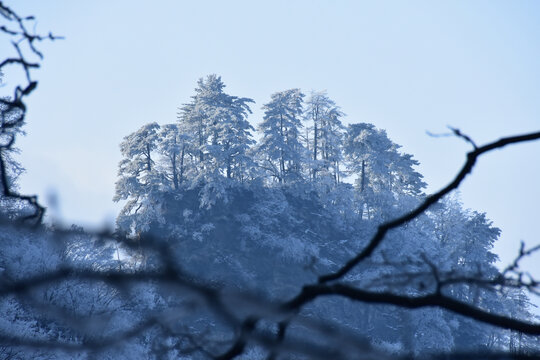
column 267, row 216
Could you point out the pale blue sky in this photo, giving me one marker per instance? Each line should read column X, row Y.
column 405, row 66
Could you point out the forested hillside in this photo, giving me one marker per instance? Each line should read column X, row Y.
column 271, row 215
column 300, row 238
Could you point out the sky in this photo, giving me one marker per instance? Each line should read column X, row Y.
column 407, row 67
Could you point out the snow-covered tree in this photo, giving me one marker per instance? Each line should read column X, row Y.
column 386, row 178
column 139, row 181
column 173, row 146
column 220, row 137
column 324, row 136
column 280, row 150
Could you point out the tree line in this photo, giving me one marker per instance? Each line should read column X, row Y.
column 303, row 145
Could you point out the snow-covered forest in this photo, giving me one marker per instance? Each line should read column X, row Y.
column 293, row 236
column 270, row 215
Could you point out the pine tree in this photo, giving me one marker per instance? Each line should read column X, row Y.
column 172, row 145
column 325, row 140
column 220, row 138
column 385, row 177
column 280, row 151
column 139, row 181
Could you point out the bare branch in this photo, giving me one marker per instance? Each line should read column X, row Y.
column 311, row 292
column 430, row 200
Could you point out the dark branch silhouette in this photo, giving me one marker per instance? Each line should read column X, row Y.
column 430, row 200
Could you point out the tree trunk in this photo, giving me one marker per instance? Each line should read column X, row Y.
column 315, row 134
column 281, row 160
column 148, row 158
column 363, row 176
column 174, row 172
column 182, row 154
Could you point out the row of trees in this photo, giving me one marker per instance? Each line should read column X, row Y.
column 303, row 144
